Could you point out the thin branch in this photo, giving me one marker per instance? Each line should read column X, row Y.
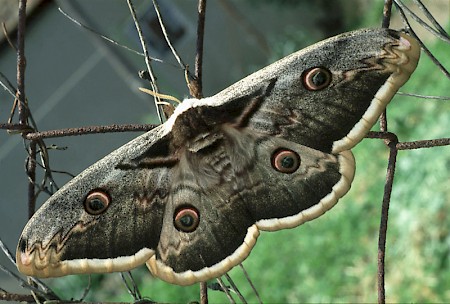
column 15, row 127
column 430, row 17
column 441, row 35
column 203, row 293
column 387, row 10
column 250, row 282
column 147, row 59
column 21, row 62
column 443, row 98
column 7, row 252
column 384, row 219
column 31, row 172
column 235, row 288
column 8, row 86
column 225, row 290
column 90, row 130
column 197, row 88
column 8, row 39
column 12, row 259
column 420, row 144
column 15, row 297
column 424, row 48
column 409, row 145
column 105, row 37
column 23, row 283
column 132, row 287
column 166, row 36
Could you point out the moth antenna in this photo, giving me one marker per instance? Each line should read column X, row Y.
column 160, row 96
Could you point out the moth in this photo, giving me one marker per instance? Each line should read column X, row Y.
column 190, row 197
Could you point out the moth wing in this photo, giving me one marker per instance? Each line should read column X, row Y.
column 366, row 68
column 62, row 238
column 237, row 191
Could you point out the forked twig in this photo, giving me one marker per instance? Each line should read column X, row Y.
column 440, row 33
column 147, row 60
column 235, row 288
column 391, row 139
column 423, row 46
column 166, row 36
column 225, row 289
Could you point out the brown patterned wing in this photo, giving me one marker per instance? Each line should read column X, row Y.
column 239, row 185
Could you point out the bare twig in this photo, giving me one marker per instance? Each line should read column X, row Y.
column 431, row 18
column 25, row 284
column 235, row 288
column 7, row 252
column 166, row 36
column 131, row 285
column 196, row 87
column 15, row 127
column 387, row 9
column 14, row 297
column 86, row 289
column 89, row 130
column 203, row 293
column 250, row 282
column 196, row 90
column 424, row 48
column 21, row 62
column 31, row 172
column 419, row 144
column 441, row 34
column 411, row 145
column 104, row 37
column 6, row 34
column 8, row 86
column 147, row 60
column 11, row 258
column 225, row 290
column 426, row 97
column 384, row 220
